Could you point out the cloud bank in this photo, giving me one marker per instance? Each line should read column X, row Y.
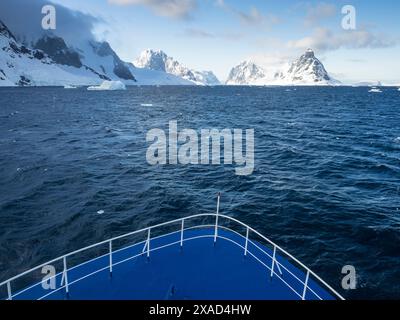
column 180, row 9
column 324, row 39
column 319, row 12
column 24, row 19
column 253, row 17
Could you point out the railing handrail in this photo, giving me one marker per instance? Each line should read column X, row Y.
column 104, row 242
column 286, row 253
column 179, row 220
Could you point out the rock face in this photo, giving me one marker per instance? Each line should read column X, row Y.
column 119, row 68
column 306, row 70
column 158, row 60
column 56, row 49
column 206, row 78
column 245, row 73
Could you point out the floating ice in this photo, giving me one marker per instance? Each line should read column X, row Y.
column 397, row 140
column 100, row 212
column 146, row 104
column 108, row 85
column 68, row 86
column 375, row 90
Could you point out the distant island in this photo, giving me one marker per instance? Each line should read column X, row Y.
column 49, row 61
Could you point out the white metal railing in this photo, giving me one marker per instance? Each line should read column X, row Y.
column 147, row 249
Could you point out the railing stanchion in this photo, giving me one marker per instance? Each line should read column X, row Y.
column 247, row 241
column 303, row 297
column 182, row 228
column 111, row 260
column 9, row 290
column 148, row 243
column 276, row 263
column 216, row 219
column 66, row 275
column 273, row 262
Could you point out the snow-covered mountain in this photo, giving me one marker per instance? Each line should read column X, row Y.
column 158, row 60
column 245, row 73
column 49, row 61
column 306, row 70
column 22, row 66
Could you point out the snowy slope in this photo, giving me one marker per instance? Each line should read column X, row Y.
column 153, row 77
column 51, row 62
column 158, row 60
column 306, row 70
column 21, row 66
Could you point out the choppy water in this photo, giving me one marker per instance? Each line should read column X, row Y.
column 326, row 184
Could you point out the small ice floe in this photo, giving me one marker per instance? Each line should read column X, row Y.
column 397, row 140
column 108, row 85
column 70, row 86
column 146, row 104
column 375, row 90
column 100, row 212
column 398, row 89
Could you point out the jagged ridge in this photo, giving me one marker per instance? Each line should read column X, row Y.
column 159, row 61
column 306, row 70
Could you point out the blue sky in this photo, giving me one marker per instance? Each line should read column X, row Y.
column 218, row 34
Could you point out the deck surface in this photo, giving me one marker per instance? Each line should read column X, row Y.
column 199, row 271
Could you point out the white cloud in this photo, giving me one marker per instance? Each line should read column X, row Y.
column 319, row 12
column 271, row 61
column 325, row 40
column 167, row 8
column 23, row 19
column 198, row 33
column 254, row 17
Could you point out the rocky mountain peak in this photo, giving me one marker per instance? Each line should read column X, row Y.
column 158, row 60
column 306, row 70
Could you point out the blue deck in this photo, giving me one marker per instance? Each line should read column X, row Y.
column 199, row 271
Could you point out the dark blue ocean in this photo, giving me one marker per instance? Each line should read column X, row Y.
column 326, row 183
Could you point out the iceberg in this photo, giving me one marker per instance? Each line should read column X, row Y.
column 375, row 90
column 108, row 85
